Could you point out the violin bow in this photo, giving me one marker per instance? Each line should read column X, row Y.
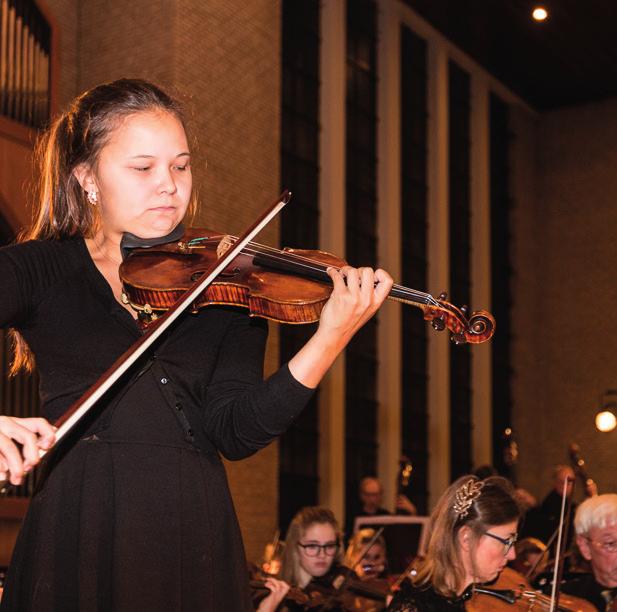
column 340, row 583
column 84, row 404
column 558, row 569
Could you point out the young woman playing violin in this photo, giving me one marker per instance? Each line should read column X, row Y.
column 473, row 530
column 311, row 559
column 373, row 563
column 135, row 514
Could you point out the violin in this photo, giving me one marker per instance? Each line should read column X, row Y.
column 285, row 285
column 295, row 594
column 511, row 591
column 352, row 594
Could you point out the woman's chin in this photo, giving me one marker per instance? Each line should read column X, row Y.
column 157, row 230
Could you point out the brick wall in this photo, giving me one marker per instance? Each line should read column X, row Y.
column 565, row 290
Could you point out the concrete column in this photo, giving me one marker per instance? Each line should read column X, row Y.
column 480, row 267
column 438, row 270
column 332, row 237
column 389, row 219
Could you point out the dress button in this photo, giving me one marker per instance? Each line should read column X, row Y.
column 178, row 406
column 189, row 432
column 164, row 381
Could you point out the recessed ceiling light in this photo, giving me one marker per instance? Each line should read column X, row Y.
column 539, row 13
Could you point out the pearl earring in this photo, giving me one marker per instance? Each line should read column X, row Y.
column 93, row 197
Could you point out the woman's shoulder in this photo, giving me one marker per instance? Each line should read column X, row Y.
column 30, row 268
column 43, row 252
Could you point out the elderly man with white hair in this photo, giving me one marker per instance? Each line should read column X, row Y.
column 596, row 535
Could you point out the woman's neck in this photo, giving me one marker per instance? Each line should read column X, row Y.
column 466, row 582
column 107, row 247
column 303, row 577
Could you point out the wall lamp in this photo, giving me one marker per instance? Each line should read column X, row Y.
column 605, row 418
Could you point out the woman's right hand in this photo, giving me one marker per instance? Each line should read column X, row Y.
column 33, row 434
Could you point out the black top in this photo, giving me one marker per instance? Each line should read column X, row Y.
column 424, row 598
column 136, row 513
column 585, row 587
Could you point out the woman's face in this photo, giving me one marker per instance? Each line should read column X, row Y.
column 489, row 554
column 320, row 538
column 143, row 176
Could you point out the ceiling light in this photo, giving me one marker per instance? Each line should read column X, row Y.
column 539, row 13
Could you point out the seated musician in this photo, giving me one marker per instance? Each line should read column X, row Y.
column 595, row 524
column 373, row 563
column 311, row 558
column 473, row 530
column 370, row 494
column 531, row 558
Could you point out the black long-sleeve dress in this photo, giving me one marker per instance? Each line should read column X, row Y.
column 425, row 598
column 135, row 513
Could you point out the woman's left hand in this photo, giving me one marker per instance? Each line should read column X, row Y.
column 355, row 298
column 357, row 294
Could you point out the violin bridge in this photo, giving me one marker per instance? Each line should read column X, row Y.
column 224, row 245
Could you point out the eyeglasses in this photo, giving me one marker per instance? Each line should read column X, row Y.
column 507, row 542
column 609, row 547
column 313, row 550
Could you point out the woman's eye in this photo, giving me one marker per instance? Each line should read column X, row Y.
column 183, row 168
column 142, row 168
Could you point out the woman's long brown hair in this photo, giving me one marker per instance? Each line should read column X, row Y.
column 61, row 208
column 443, row 566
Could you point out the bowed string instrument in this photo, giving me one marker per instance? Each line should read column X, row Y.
column 284, row 285
column 203, row 268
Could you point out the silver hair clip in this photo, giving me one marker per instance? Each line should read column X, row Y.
column 465, row 496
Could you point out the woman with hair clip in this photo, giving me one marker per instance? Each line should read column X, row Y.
column 473, row 531
column 135, row 513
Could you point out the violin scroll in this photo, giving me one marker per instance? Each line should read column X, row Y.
column 478, row 328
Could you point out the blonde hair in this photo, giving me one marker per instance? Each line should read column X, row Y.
column 76, row 138
column 359, row 540
column 311, row 515
column 494, row 505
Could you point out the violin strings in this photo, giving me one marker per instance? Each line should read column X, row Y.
column 306, row 263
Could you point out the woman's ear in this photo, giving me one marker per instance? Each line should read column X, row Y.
column 85, row 177
column 464, row 538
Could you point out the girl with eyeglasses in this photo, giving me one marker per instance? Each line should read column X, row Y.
column 312, row 547
column 311, row 560
column 473, row 531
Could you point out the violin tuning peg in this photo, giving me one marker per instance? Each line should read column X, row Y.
column 458, row 338
column 438, row 324
column 443, row 295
